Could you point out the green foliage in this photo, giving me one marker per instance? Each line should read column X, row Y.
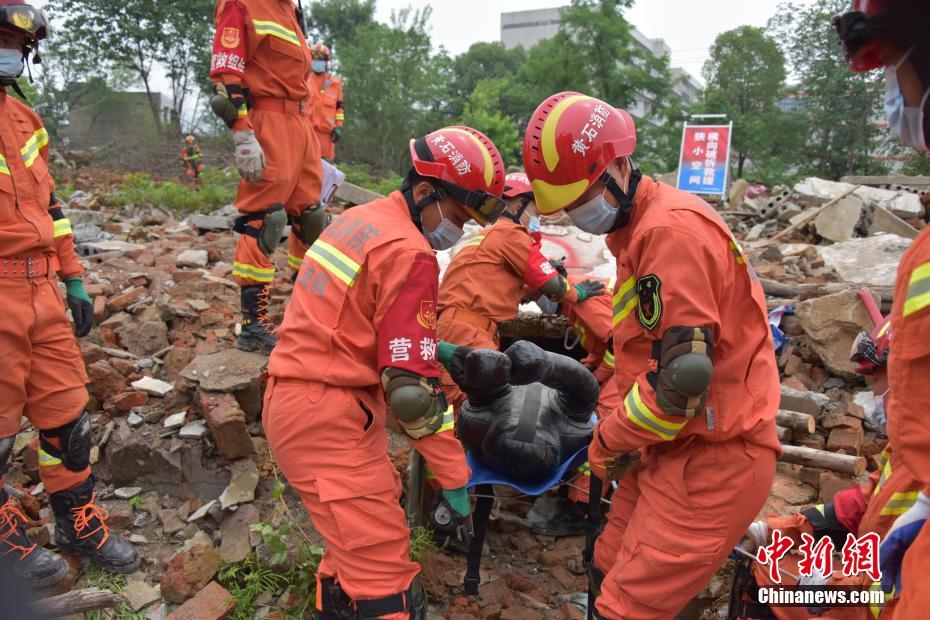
column 248, row 580
column 745, row 77
column 336, row 22
column 838, row 107
column 136, row 502
column 364, row 175
column 483, row 110
column 482, row 62
column 216, row 189
column 422, row 543
column 98, row 578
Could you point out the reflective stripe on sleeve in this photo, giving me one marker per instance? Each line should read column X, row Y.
column 918, row 290
column 62, row 227
column 625, row 301
column 274, row 29
column 334, row 262
column 642, row 416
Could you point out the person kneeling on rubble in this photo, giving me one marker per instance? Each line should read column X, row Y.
column 484, row 283
column 861, row 509
column 359, row 335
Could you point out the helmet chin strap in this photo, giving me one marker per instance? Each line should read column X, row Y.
column 515, row 217
column 416, row 207
column 624, row 198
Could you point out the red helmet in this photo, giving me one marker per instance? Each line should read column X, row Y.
column 870, row 351
column 467, row 165
column 516, row 184
column 569, row 142
column 320, row 51
column 21, row 18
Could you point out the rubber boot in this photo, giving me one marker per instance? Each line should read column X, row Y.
column 257, row 332
column 34, row 565
column 80, row 528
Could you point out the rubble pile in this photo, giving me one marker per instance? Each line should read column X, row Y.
column 185, row 472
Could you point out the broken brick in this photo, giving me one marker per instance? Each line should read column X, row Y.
column 227, row 424
column 845, row 440
column 213, row 602
column 124, row 300
column 105, row 381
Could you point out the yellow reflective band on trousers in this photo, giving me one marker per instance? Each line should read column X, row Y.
column 294, row 261
column 253, row 272
column 625, row 301
column 62, row 227
column 918, row 290
column 47, row 460
column 875, row 608
column 340, row 116
column 3, row 167
column 899, row 503
column 33, row 145
column 334, row 262
column 448, row 421
column 640, row 415
column 274, row 29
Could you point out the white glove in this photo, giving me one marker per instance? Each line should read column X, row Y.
column 757, row 535
column 918, row 512
column 250, row 158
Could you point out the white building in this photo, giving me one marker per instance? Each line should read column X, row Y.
column 527, row 28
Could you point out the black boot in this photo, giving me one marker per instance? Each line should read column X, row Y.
column 257, row 331
column 80, row 528
column 36, row 566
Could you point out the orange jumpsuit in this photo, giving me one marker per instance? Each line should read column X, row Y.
column 591, row 320
column 190, row 155
column 718, row 466
column 43, row 374
column 483, row 286
column 861, row 509
column 364, row 300
column 328, row 110
column 259, row 46
column 909, row 401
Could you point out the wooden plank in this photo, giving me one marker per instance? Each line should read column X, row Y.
column 841, row 463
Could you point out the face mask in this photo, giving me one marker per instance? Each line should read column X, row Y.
column 878, row 413
column 533, row 225
column 11, row 63
column 595, row 216
column 318, row 66
column 445, row 234
column 905, row 121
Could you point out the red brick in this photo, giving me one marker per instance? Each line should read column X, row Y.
column 91, row 353
column 105, row 381
column 832, row 419
column 100, row 309
column 227, row 424
column 188, row 572
column 214, row 602
column 846, row 440
column 124, row 300
column 125, row 401
column 124, row 367
column 831, row 484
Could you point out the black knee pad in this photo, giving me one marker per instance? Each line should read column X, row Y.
column 75, row 439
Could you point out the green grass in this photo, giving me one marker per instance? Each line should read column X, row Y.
column 363, row 176
column 421, row 542
column 97, row 578
column 216, row 189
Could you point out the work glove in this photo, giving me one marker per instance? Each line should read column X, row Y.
column 559, row 266
column 606, row 465
column 589, row 288
column 899, row 540
column 337, row 133
column 250, row 158
column 451, row 516
column 82, row 308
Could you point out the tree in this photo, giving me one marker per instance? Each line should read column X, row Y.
column 745, row 77
column 841, row 109
column 483, row 112
column 482, row 61
column 337, row 22
column 138, row 36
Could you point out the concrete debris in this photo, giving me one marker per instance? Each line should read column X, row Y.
column 883, row 221
column 230, row 370
column 838, row 222
column 193, row 430
column 237, row 537
column 176, row 420
column 140, row 594
column 832, row 323
column 242, row 485
column 155, row 387
column 872, row 261
column 192, row 258
column 201, row 512
column 127, row 492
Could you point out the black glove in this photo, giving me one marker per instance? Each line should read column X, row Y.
column 589, row 288
column 82, row 309
column 559, row 266
column 337, row 134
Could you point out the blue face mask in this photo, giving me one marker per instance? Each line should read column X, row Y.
column 11, row 63
column 318, row 66
column 533, row 225
column 907, row 122
column 595, row 216
column 445, row 235
column 879, row 417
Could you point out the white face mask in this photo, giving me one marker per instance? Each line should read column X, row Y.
column 907, row 122
column 533, row 225
column 596, row 216
column 445, row 235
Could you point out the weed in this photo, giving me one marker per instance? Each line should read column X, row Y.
column 362, row 175
column 215, row 189
column 421, row 542
column 97, row 578
column 136, row 502
column 248, row 580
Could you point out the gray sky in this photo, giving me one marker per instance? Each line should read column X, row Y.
column 689, row 27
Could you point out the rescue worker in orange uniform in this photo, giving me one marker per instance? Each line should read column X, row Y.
column 43, row 374
column 861, row 509
column 259, row 69
column 697, row 372
column 484, row 283
column 329, row 110
column 891, row 34
column 359, row 336
column 190, row 155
